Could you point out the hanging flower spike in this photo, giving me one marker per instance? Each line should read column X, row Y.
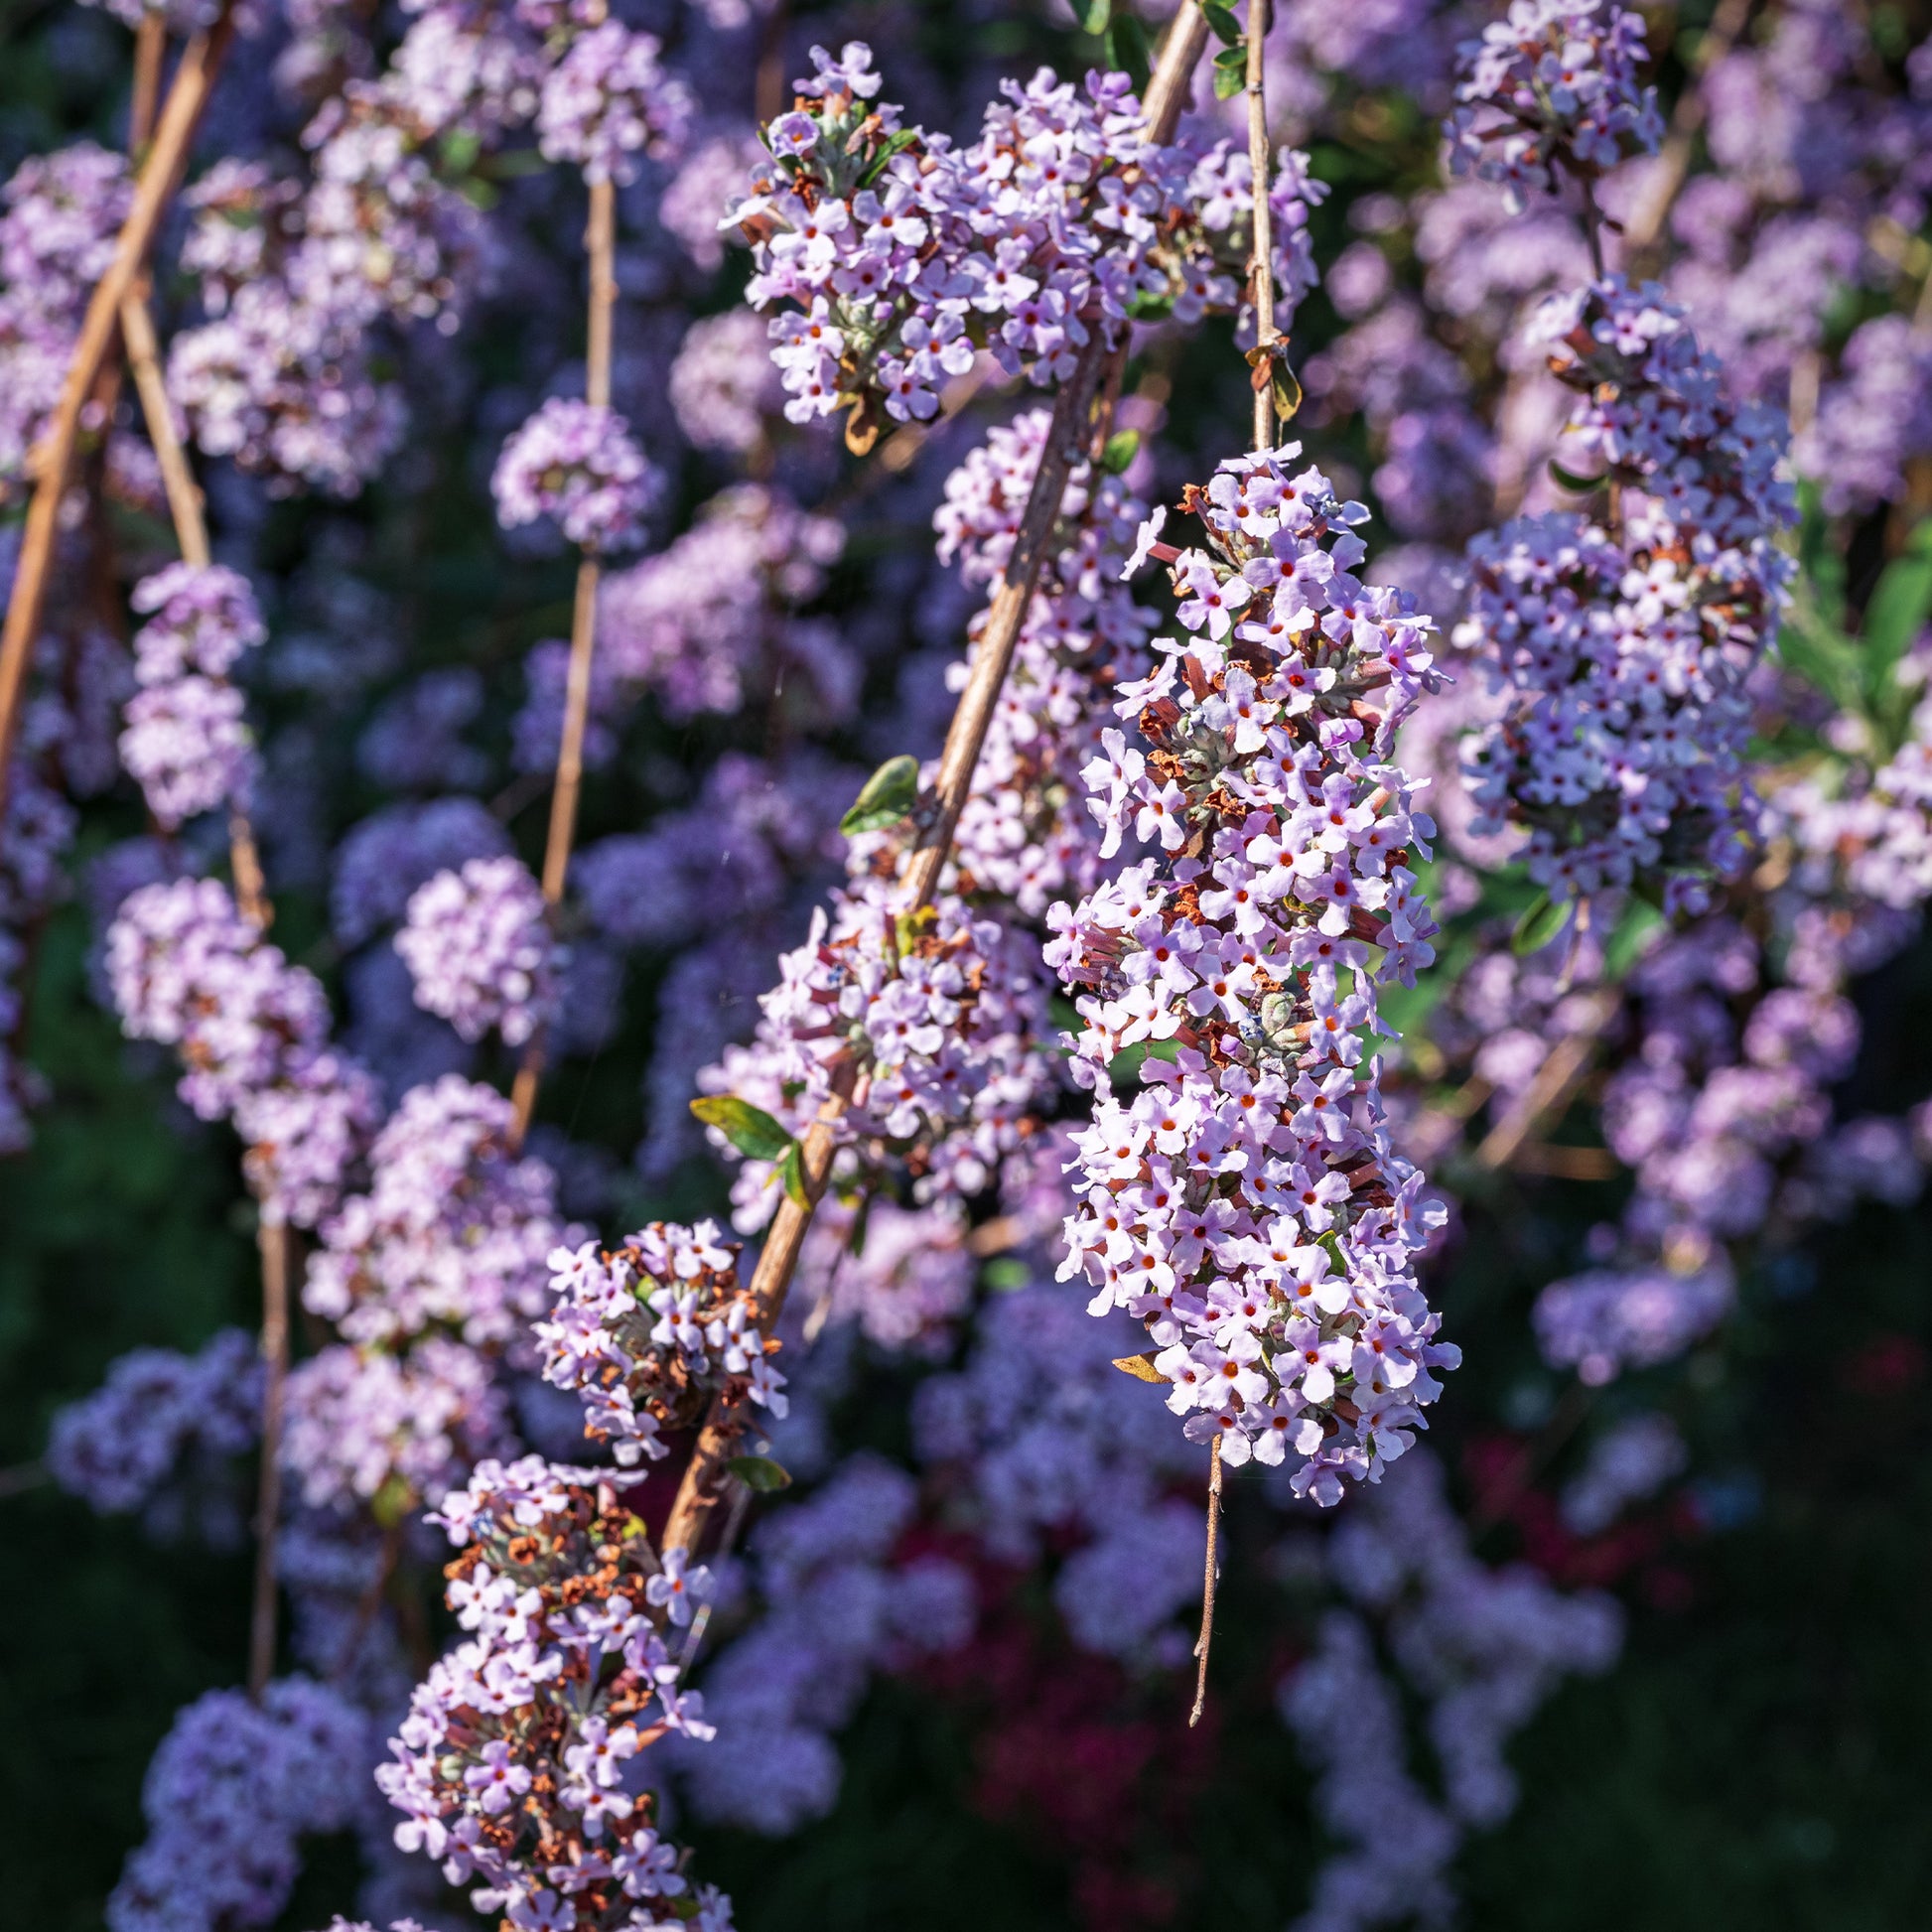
column 1247, row 1203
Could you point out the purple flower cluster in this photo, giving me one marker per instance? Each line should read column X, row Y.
column 1607, row 1319
column 652, row 1333
column 63, row 213
column 188, row 970
column 1247, row 1203
column 1628, row 1464
column 1623, row 652
column 905, row 257
column 479, row 951
column 187, row 743
column 231, row 1789
column 936, row 1020
column 1551, row 90
column 608, row 99
column 452, row 1234
column 578, row 466
column 511, row 1768
column 157, row 1416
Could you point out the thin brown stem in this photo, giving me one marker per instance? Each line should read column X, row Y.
column 186, row 99
column 1260, row 258
column 600, row 243
column 150, row 44
column 177, row 478
column 275, row 1241
column 702, row 1482
column 1210, row 1582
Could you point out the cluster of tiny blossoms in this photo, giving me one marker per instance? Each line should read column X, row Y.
column 477, row 945
column 931, row 1022
column 1247, row 1203
column 904, row 255
column 188, row 970
column 1552, row 89
column 649, row 1333
column 1621, row 653
column 510, row 1765
column 577, row 465
column 187, row 743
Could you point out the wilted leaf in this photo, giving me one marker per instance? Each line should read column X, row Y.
column 1140, row 1367
column 751, row 1130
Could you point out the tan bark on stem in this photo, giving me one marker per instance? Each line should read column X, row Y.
column 1261, row 263
column 150, row 44
column 600, row 241
column 275, row 1241
column 1260, row 287
column 702, row 1485
column 186, row 99
column 177, row 478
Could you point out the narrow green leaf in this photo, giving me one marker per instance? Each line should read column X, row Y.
column 791, row 1171
column 1541, row 923
column 1576, row 485
column 1093, row 15
column 1126, row 49
column 1900, row 604
column 1121, row 449
column 1221, row 20
column 894, row 144
column 761, row 1473
column 888, row 795
column 751, row 1130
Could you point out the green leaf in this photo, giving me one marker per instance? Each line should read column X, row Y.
column 1150, row 307
column 888, row 797
column 459, row 151
column 1006, row 1274
column 1221, row 21
column 1288, row 391
column 1121, row 449
column 1626, row 939
column 1899, row 606
column 1093, row 15
column 1128, row 51
column 894, row 144
column 1544, row 920
column 751, row 1130
column 761, row 1473
column 1230, row 73
column 1576, row 485
column 791, row 1171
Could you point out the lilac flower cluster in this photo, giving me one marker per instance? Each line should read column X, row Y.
column 159, row 1418
column 188, row 970
column 1025, row 834
column 904, row 256
column 1551, row 90
column 187, row 743
column 709, row 615
column 231, row 1789
column 479, row 951
column 577, row 465
column 839, row 1606
column 1247, row 1205
column 452, row 1234
column 1482, row 1650
column 652, row 1333
column 933, row 1020
column 62, row 211
column 511, row 1768
column 1623, row 652
column 610, row 98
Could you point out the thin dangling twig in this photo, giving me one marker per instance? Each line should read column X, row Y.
column 1261, row 292
column 275, row 1240
column 1066, row 445
column 1209, row 1582
column 600, row 243
column 52, row 456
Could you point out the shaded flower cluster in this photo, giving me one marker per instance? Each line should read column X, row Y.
column 478, row 949
column 578, row 466
column 511, row 1766
column 652, row 1333
column 1247, row 1203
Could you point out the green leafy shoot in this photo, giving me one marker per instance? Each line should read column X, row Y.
column 888, row 797
column 751, row 1130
